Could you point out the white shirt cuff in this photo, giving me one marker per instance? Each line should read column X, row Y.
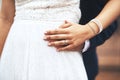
column 86, row 46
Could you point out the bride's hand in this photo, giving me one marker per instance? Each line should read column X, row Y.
column 69, row 36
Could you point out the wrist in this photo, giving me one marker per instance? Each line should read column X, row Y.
column 98, row 24
column 91, row 30
column 93, row 27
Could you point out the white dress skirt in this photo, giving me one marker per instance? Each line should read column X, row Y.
column 26, row 56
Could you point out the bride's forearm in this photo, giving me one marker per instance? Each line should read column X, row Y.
column 109, row 13
column 4, row 29
column 7, row 13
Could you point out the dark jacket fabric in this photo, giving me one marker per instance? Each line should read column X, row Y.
column 90, row 9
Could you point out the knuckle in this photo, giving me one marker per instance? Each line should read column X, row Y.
column 71, row 42
column 69, row 36
column 56, row 44
column 67, row 31
column 61, row 42
column 49, row 37
column 56, row 31
column 70, row 47
column 74, row 44
column 52, row 43
column 67, row 48
column 56, row 37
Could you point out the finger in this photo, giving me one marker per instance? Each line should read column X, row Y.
column 57, row 37
column 60, row 43
column 65, row 25
column 66, row 48
column 56, row 31
column 78, row 48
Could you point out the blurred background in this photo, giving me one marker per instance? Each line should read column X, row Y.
column 109, row 57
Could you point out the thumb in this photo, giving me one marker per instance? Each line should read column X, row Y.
column 66, row 24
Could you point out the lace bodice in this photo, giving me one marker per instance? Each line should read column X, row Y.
column 46, row 9
column 46, row 2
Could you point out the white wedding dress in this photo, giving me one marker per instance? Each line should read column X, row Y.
column 26, row 56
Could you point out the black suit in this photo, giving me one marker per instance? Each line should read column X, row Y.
column 90, row 9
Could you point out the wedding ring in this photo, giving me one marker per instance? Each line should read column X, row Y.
column 65, row 42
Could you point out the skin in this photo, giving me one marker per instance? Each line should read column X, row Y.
column 7, row 13
column 76, row 34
